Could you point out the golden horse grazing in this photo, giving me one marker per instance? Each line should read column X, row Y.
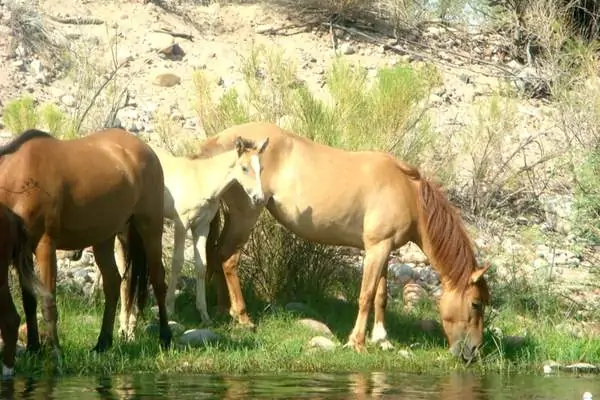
column 14, row 249
column 363, row 199
column 77, row 193
column 193, row 187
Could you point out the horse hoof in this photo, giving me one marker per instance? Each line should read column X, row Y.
column 101, row 346
column 7, row 372
column 166, row 337
column 359, row 348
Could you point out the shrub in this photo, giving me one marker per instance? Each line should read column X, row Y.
column 21, row 114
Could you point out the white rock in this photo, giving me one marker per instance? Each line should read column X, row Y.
column 198, row 337
column 322, row 342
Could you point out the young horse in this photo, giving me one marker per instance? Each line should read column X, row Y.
column 78, row 193
column 364, row 199
column 193, row 187
column 13, row 249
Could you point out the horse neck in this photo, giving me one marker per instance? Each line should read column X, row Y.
column 216, row 172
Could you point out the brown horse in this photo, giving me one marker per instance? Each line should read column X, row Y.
column 13, row 249
column 77, row 193
column 366, row 200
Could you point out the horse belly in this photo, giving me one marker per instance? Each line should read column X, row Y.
column 337, row 227
column 88, row 220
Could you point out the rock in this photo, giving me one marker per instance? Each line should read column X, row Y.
column 402, row 273
column 68, row 100
column 410, row 253
column 581, row 367
column 198, row 337
column 159, row 40
column 176, row 328
column 172, row 52
column 406, row 353
column 322, row 342
column 166, row 80
column 558, row 211
column 316, row 326
column 36, row 68
column 412, row 294
column 551, row 366
column 347, row 49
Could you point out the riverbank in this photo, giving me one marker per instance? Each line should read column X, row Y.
column 282, row 343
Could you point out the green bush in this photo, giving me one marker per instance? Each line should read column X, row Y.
column 21, row 114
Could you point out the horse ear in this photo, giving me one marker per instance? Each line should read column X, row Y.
column 239, row 145
column 477, row 274
column 263, row 145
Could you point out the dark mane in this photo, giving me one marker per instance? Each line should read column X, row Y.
column 450, row 243
column 211, row 147
column 24, row 137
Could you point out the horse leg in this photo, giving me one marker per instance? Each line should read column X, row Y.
column 199, row 234
column 105, row 258
column 151, row 230
column 233, row 238
column 176, row 263
column 9, row 328
column 30, row 307
column 45, row 253
column 375, row 257
column 127, row 322
column 379, row 334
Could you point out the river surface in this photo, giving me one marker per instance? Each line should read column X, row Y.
column 460, row 386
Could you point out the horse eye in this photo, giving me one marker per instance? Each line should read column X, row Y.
column 245, row 169
column 477, row 306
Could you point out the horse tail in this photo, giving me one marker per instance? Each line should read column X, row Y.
column 136, row 267
column 22, row 259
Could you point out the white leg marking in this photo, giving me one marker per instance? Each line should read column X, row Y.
column 199, row 235
column 379, row 333
column 176, row 265
column 7, row 372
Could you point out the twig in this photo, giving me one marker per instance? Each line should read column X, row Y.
column 506, row 72
column 182, row 35
column 77, row 20
column 95, row 97
column 274, row 31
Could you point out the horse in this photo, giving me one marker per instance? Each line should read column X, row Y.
column 76, row 193
column 13, row 250
column 193, row 187
column 363, row 199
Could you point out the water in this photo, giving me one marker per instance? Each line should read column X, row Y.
column 464, row 386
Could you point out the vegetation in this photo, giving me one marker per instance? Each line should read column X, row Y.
column 500, row 175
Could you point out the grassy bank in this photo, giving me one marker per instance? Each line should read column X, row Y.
column 280, row 344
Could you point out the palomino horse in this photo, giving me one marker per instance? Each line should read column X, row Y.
column 193, row 187
column 13, row 249
column 366, row 200
column 77, row 193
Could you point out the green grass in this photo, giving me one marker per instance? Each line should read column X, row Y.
column 281, row 345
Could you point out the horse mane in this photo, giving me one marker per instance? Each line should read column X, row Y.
column 211, row 147
column 24, row 137
column 451, row 246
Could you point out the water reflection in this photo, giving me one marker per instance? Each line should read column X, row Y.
column 372, row 385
